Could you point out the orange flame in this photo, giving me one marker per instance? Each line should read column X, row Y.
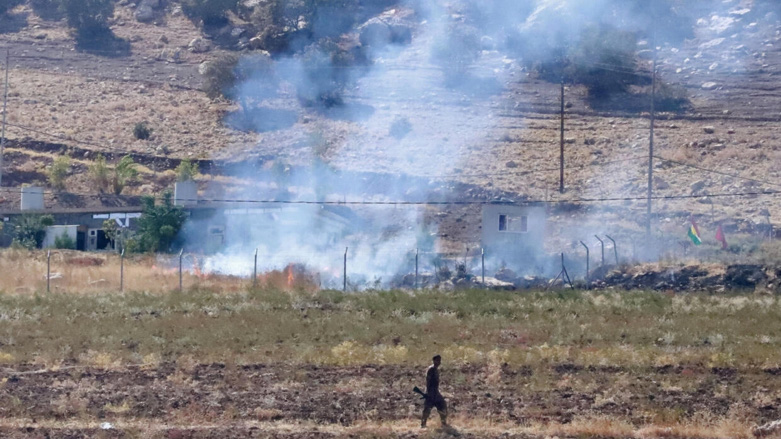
column 290, row 277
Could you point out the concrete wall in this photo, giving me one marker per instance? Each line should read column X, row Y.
column 514, row 234
column 186, row 193
column 32, row 198
column 53, row 232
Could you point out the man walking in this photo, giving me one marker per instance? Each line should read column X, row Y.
column 433, row 397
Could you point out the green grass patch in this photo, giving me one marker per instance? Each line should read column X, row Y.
column 628, row 329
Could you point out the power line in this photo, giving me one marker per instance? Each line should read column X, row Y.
column 438, row 203
column 713, row 171
column 536, row 171
column 482, row 174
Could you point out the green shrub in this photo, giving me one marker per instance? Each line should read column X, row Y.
column 187, row 170
column 220, row 77
column 209, row 12
column 47, row 9
column 141, row 131
column 124, row 172
column 159, row 224
column 88, row 17
column 58, row 171
column 7, row 5
column 29, row 230
column 65, row 242
column 99, row 173
column 603, row 61
column 112, row 179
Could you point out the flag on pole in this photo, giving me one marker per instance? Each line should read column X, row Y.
column 721, row 238
column 694, row 233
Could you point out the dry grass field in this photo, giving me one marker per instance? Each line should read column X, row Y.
column 221, row 359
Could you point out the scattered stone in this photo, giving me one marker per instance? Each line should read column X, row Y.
column 144, row 13
column 660, row 183
column 709, row 129
column 387, row 28
column 199, row 45
column 511, row 164
column 698, row 186
column 495, row 284
column 709, row 86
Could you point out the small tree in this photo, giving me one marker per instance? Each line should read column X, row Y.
column 220, row 77
column 604, row 61
column 47, row 9
column 64, row 241
column 141, row 131
column 30, row 230
column 99, row 173
column 124, row 172
column 88, row 17
column 159, row 224
column 186, row 171
column 209, row 12
column 58, row 171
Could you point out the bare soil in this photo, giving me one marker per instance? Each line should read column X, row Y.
column 228, row 397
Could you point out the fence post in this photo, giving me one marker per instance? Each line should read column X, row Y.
column 482, row 263
column 602, row 243
column 615, row 249
column 122, row 271
column 255, row 271
column 181, row 254
column 48, row 270
column 588, row 284
column 344, row 286
column 417, row 257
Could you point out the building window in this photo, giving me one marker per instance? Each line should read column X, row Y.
column 514, row 224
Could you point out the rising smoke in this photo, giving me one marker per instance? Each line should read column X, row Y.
column 436, row 69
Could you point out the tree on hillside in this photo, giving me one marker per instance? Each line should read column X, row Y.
column 209, row 12
column 124, row 172
column 186, row 171
column 159, row 224
column 58, row 171
column 88, row 17
column 603, row 61
column 112, row 179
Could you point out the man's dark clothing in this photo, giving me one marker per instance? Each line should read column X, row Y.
column 433, row 397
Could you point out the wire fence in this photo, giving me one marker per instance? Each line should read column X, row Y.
column 580, row 262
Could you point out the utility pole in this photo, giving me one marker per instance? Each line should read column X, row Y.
column 561, row 142
column 5, row 112
column 651, row 147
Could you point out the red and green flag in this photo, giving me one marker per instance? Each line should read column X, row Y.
column 694, row 233
column 721, row 238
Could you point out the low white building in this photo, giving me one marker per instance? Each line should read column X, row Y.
column 514, row 234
